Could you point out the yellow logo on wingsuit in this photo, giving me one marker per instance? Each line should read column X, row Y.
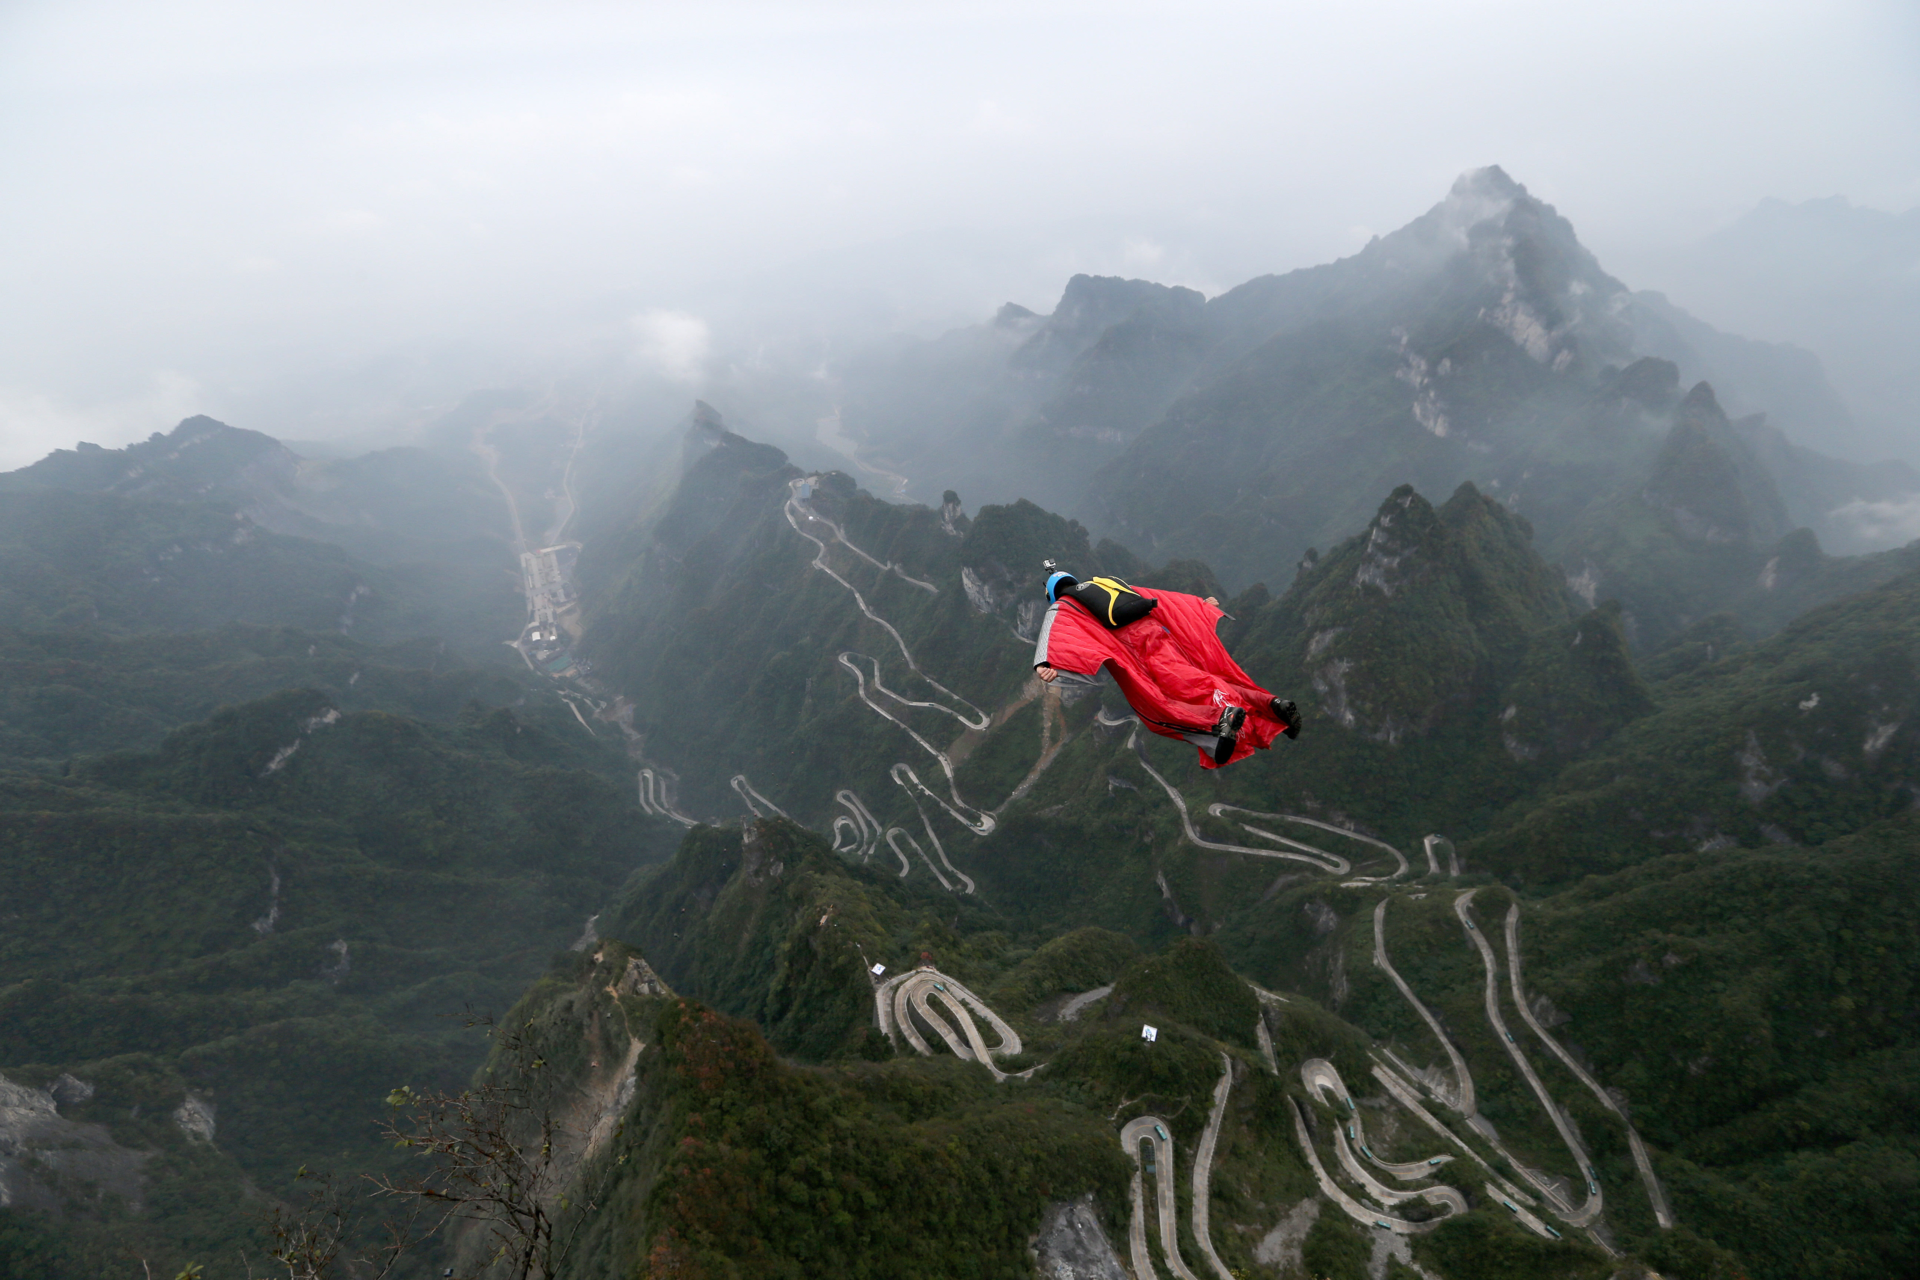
column 1118, row 609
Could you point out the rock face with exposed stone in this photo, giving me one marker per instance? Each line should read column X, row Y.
column 1280, row 1247
column 1072, row 1245
column 44, row 1157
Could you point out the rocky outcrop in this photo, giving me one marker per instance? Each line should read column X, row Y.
column 1071, row 1245
column 46, row 1158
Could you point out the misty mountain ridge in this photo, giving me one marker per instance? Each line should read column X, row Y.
column 1464, row 346
column 389, row 506
column 1832, row 276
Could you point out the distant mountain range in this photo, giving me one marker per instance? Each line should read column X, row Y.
column 1832, row 277
column 1481, row 342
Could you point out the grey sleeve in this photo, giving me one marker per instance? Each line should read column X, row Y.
column 1040, row 653
column 1046, row 630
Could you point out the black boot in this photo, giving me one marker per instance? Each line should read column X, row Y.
column 1227, row 733
column 1288, row 715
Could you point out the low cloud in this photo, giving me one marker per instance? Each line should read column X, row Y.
column 1142, row 255
column 31, row 422
column 673, row 344
column 1892, row 522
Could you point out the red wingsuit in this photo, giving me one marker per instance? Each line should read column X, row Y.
column 1171, row 666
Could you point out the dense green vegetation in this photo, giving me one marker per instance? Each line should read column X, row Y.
column 874, row 1171
column 1801, row 738
column 73, row 693
column 284, row 935
column 733, row 1162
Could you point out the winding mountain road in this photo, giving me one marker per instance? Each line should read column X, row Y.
column 757, row 805
column 798, row 512
column 1316, row 858
column 1656, row 1195
column 1291, row 850
column 1366, row 1215
column 1149, row 1129
column 864, row 827
column 1203, row 1170
column 916, row 991
column 1400, row 859
column 1320, row 1076
column 975, row 820
column 1408, row 1096
column 1321, row 1079
column 653, row 798
column 1585, row 1214
column 1463, row 1099
column 896, row 834
column 1313, row 855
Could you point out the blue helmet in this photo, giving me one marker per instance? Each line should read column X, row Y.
column 1059, row 582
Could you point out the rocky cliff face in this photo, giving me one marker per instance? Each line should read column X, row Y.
column 1417, row 618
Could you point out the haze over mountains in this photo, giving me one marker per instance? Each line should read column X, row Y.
column 1830, row 276
column 709, row 746
column 1133, row 401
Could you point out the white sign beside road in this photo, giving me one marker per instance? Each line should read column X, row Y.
column 1149, row 1034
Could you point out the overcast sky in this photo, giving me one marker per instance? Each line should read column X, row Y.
column 205, row 202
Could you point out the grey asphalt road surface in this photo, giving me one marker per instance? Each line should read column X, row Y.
column 1407, row 1096
column 653, row 798
column 917, row 991
column 1399, row 859
column 1203, row 1170
column 1148, row 1129
column 1323, row 1080
column 1464, row 1102
column 1291, row 850
column 1379, row 1219
column 757, row 805
column 1327, row 859
column 1071, row 1009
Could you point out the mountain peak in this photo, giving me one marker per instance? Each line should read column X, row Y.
column 1701, row 403
column 1490, row 186
column 705, row 415
column 1089, row 306
column 185, row 464
column 1477, row 196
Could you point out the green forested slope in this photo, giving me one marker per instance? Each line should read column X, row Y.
column 405, row 505
column 116, row 565
column 69, row 693
column 280, row 912
column 727, row 641
column 1802, row 738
